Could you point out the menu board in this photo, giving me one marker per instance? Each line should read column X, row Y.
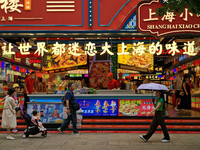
column 48, row 113
column 134, row 107
column 51, row 61
column 134, row 58
column 197, row 103
column 193, row 99
column 101, row 107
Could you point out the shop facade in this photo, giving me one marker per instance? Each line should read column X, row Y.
column 71, row 40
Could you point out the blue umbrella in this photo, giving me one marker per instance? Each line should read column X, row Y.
column 153, row 86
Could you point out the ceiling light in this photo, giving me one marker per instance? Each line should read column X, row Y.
column 65, row 34
column 31, row 34
column 99, row 34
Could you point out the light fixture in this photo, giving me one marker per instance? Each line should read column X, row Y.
column 31, row 34
column 99, row 34
column 65, row 34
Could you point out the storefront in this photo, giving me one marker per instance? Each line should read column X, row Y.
column 92, row 39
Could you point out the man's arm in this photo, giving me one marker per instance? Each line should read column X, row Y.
column 67, row 105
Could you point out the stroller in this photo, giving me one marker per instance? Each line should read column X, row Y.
column 31, row 129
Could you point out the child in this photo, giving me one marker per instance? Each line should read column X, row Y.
column 9, row 113
column 16, row 87
column 36, row 119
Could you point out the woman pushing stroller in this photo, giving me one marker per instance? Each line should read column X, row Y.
column 9, row 113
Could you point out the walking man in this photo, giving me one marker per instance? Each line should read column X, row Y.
column 70, row 101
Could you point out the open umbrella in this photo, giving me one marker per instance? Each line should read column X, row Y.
column 153, row 86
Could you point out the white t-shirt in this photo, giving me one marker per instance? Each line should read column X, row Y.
column 178, row 82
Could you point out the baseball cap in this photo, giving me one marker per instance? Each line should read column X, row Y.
column 110, row 75
column 15, row 85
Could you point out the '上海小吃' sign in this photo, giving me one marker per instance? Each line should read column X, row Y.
column 149, row 22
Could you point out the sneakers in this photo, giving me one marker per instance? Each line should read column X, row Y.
column 165, row 141
column 76, row 133
column 60, row 130
column 8, row 137
column 14, row 130
column 141, row 136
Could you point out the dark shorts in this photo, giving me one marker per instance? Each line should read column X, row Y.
column 178, row 94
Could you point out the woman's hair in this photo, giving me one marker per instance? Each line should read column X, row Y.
column 34, row 112
column 185, row 77
column 11, row 91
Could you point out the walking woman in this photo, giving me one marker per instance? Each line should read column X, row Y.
column 9, row 113
column 158, row 119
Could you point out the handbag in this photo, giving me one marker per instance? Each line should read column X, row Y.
column 166, row 114
column 181, row 94
column 76, row 106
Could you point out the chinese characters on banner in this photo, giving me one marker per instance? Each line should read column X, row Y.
column 101, row 107
column 149, row 22
column 134, row 107
column 134, row 49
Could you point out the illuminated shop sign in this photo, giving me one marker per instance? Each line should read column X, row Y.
column 149, row 22
column 75, row 75
column 90, row 49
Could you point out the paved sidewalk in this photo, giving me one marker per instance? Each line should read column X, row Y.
column 100, row 141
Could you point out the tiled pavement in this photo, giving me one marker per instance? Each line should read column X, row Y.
column 99, row 141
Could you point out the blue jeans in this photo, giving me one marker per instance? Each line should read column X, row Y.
column 70, row 117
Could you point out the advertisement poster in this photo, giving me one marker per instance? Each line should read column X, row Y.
column 98, row 72
column 61, row 58
column 197, row 103
column 48, row 113
column 135, row 107
column 101, row 107
column 137, row 56
column 193, row 99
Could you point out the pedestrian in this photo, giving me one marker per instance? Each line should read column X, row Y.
column 28, row 88
column 158, row 119
column 178, row 84
column 9, row 113
column 16, row 87
column 71, row 112
column 144, row 80
column 187, row 94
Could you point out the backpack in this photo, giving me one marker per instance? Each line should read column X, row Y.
column 64, row 100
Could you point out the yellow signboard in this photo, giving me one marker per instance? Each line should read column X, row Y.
column 64, row 60
column 136, row 55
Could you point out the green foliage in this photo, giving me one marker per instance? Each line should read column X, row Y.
column 114, row 62
column 178, row 6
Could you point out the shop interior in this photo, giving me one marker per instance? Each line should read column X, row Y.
column 54, row 72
